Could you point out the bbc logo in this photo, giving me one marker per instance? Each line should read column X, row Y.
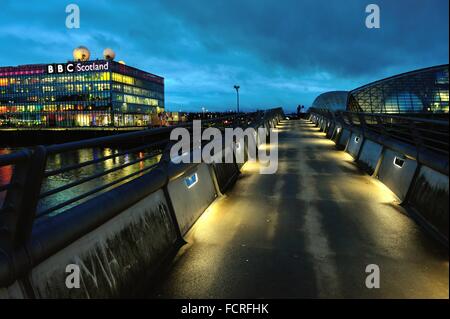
column 60, row 68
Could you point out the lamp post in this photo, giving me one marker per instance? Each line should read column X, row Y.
column 237, row 95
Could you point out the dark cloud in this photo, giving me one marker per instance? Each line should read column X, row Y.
column 280, row 52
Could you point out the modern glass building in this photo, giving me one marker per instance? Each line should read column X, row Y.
column 424, row 90
column 79, row 94
column 334, row 100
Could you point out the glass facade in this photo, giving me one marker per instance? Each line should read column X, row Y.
column 79, row 94
column 424, row 90
column 334, row 100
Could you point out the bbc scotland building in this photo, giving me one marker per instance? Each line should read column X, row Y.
column 100, row 93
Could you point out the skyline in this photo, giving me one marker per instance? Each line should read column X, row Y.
column 281, row 54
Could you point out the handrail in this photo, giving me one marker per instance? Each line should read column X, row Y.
column 129, row 136
column 424, row 140
column 26, row 241
column 423, row 133
column 15, row 157
column 140, row 137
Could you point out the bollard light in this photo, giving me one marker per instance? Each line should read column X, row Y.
column 399, row 162
column 191, row 180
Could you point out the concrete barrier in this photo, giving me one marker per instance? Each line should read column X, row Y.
column 326, row 125
column 113, row 257
column 336, row 134
column 14, row 291
column 115, row 239
column 369, row 156
column 260, row 138
column 354, row 144
column 396, row 172
column 330, row 129
column 322, row 124
column 429, row 199
column 241, row 151
column 423, row 190
column 226, row 173
column 273, row 123
column 118, row 239
column 317, row 121
column 343, row 139
column 191, row 193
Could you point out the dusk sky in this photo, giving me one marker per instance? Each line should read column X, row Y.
column 281, row 53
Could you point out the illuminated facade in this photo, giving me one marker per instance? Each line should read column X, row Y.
column 79, row 94
column 424, row 90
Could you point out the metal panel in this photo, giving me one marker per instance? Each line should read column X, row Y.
column 429, row 197
column 354, row 144
column 397, row 176
column 114, row 257
column 343, row 139
column 369, row 156
column 189, row 202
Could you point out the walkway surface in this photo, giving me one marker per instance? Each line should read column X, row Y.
column 309, row 231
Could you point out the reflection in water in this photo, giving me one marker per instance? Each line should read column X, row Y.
column 71, row 158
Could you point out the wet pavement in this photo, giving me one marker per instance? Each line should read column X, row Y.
column 308, row 231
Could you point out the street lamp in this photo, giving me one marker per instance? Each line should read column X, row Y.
column 237, row 95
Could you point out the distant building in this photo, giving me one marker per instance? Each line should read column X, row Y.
column 425, row 90
column 334, row 100
column 89, row 93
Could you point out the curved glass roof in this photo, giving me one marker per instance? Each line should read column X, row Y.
column 334, row 100
column 424, row 90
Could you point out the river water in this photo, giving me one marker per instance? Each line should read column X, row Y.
column 71, row 158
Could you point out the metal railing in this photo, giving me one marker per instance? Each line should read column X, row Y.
column 30, row 232
column 415, row 129
column 148, row 143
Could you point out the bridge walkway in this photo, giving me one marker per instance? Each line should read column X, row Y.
column 307, row 231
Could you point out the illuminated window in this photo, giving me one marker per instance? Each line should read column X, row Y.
column 123, row 78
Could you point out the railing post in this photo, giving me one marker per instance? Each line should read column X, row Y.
column 19, row 207
column 164, row 166
column 32, row 191
column 11, row 208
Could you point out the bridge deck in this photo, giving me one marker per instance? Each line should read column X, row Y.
column 308, row 231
